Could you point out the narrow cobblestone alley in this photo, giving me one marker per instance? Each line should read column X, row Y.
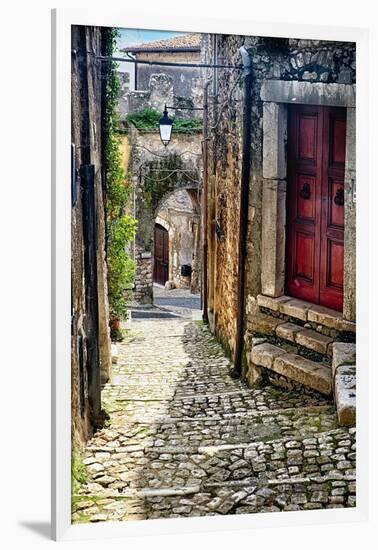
column 185, row 439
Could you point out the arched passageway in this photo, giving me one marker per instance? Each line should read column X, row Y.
column 166, row 193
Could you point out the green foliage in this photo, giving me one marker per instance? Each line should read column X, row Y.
column 187, row 124
column 78, row 471
column 120, row 226
column 145, row 119
column 148, row 119
column 121, row 268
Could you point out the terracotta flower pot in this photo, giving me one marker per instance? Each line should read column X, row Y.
column 115, row 324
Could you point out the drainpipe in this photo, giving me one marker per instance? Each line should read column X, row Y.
column 243, row 212
column 205, row 204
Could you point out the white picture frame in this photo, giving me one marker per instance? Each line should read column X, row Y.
column 61, row 271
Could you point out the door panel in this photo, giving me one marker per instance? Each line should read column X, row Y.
column 307, row 143
column 332, row 224
column 315, row 200
column 305, row 250
column 304, row 208
column 161, row 254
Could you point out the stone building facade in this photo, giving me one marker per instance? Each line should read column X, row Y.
column 91, row 351
column 158, row 171
column 299, row 295
column 183, row 83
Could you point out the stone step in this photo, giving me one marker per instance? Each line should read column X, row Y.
column 308, row 338
column 305, row 311
column 291, row 332
column 294, row 367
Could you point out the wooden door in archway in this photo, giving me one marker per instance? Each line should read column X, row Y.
column 161, row 255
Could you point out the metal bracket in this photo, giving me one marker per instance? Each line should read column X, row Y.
column 246, row 60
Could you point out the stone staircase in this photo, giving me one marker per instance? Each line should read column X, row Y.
column 293, row 343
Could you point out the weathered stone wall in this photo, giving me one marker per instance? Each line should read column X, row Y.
column 125, row 89
column 291, row 60
column 158, row 86
column 186, row 81
column 160, row 92
column 178, row 216
column 87, row 93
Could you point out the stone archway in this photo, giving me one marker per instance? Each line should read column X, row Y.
column 179, row 215
column 157, row 175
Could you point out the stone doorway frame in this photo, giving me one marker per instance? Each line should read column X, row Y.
column 276, row 95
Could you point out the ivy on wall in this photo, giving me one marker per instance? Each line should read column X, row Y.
column 121, row 227
column 161, row 176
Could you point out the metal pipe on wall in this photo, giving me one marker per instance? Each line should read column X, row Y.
column 205, row 204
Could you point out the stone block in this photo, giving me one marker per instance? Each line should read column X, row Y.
column 264, row 324
column 253, row 375
column 346, row 326
column 345, row 396
column 265, row 354
column 295, row 308
column 271, row 303
column 309, row 373
column 288, row 331
column 317, row 93
column 273, row 237
column 324, row 316
column 343, row 354
column 313, row 340
column 274, row 138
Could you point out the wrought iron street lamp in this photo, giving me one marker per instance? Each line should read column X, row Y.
column 165, row 127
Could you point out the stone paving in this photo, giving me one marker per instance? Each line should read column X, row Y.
column 179, row 301
column 185, row 439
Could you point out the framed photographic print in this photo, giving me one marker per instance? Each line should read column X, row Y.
column 207, row 241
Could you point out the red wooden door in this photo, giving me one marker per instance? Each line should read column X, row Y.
column 161, row 255
column 315, row 220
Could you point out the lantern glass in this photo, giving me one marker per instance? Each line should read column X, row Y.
column 165, row 127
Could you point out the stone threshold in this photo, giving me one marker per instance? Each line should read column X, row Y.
column 307, row 312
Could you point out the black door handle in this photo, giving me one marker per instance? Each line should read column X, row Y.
column 339, row 197
column 305, row 192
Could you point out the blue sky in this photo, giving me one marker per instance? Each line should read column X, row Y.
column 137, row 36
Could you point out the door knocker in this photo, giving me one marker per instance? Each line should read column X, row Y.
column 339, row 197
column 305, row 192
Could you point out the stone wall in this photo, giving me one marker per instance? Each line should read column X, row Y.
column 158, row 86
column 160, row 92
column 186, row 81
column 89, row 331
column 308, row 67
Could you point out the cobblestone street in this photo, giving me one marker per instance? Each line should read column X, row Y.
column 185, row 439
